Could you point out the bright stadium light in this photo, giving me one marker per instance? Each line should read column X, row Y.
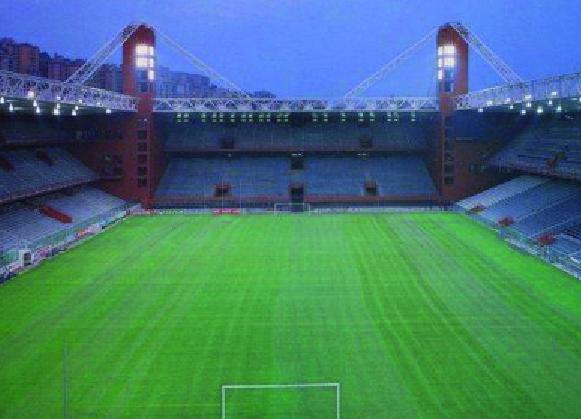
column 74, row 112
column 540, row 109
column 11, row 108
column 523, row 111
column 107, row 110
column 35, row 104
column 2, row 100
column 56, row 111
column 37, row 111
column 480, row 110
column 559, row 108
column 30, row 94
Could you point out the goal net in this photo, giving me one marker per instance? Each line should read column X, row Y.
column 289, row 207
column 320, row 400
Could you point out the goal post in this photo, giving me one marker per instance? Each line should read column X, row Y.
column 291, row 207
column 281, row 387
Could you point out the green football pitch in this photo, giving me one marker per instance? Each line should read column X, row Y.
column 415, row 315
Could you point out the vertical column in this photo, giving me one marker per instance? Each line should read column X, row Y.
column 140, row 155
column 452, row 81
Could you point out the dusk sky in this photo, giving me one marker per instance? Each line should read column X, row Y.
column 316, row 47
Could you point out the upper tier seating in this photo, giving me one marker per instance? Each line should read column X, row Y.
column 45, row 130
column 23, row 224
column 272, row 176
column 545, row 147
column 503, row 191
column 207, row 136
column 32, row 173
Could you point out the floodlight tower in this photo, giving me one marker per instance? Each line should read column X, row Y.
column 452, row 80
column 455, row 161
column 138, row 154
column 139, row 63
column 452, row 67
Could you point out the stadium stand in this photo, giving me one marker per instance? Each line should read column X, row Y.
column 501, row 192
column 540, row 209
column 84, row 204
column 567, row 245
column 269, row 178
column 526, row 203
column 20, row 223
column 23, row 223
column 394, row 175
column 574, row 231
column 330, row 136
column 552, row 218
column 26, row 130
column 247, row 176
column 29, row 172
column 545, row 147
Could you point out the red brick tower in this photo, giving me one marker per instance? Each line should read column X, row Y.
column 452, row 80
column 135, row 158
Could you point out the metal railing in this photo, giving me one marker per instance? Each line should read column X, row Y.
column 548, row 253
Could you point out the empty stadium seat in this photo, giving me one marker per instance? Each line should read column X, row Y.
column 394, row 175
column 551, row 218
column 503, row 191
column 272, row 176
column 532, row 200
column 545, row 147
column 31, row 174
column 247, row 177
column 22, row 224
column 331, row 136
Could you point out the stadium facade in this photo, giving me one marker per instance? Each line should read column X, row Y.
column 59, row 154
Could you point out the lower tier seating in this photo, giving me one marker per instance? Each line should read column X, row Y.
column 402, row 176
column 553, row 218
column 272, row 177
column 24, row 223
column 525, row 204
column 501, row 192
column 552, row 208
column 567, row 245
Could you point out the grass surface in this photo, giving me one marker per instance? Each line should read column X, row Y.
column 414, row 314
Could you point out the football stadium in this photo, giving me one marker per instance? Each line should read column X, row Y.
column 173, row 245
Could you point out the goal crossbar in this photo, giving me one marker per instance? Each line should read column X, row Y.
column 225, row 387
